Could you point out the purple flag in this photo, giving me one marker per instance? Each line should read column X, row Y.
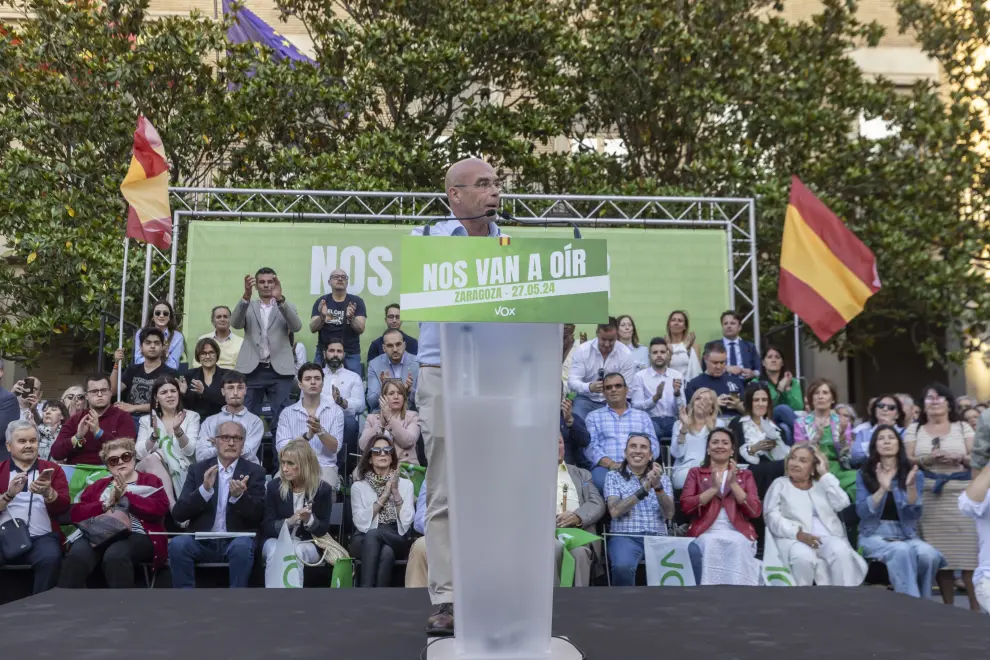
column 248, row 28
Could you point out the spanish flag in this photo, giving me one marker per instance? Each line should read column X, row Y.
column 826, row 273
column 149, row 217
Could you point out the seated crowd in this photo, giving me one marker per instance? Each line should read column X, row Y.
column 715, row 443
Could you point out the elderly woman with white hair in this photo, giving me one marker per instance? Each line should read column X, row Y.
column 299, row 498
column 803, row 526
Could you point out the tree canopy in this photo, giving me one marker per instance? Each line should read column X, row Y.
column 714, row 98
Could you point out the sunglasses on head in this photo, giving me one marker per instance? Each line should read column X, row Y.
column 114, row 461
column 381, row 451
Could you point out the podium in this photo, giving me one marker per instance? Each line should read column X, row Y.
column 501, row 415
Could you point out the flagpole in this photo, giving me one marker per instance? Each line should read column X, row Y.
column 797, row 346
column 123, row 299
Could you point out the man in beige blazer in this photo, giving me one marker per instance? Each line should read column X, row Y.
column 266, row 358
column 579, row 504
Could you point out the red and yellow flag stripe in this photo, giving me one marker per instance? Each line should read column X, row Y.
column 826, row 273
column 149, row 216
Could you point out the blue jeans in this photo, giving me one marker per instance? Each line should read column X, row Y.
column 264, row 382
column 44, row 558
column 598, row 474
column 582, row 405
column 624, row 555
column 663, row 426
column 184, row 552
column 784, row 417
column 911, row 563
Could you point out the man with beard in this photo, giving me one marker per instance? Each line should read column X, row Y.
column 343, row 387
column 81, row 437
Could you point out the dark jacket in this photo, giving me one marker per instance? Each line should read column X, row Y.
column 211, row 400
column 10, row 411
column 378, row 347
column 244, row 515
column 277, row 509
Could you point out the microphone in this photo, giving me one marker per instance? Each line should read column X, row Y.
column 505, row 215
column 490, row 213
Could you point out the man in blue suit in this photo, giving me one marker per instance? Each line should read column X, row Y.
column 222, row 494
column 743, row 358
column 10, row 411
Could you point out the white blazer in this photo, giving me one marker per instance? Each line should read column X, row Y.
column 190, row 426
column 752, row 434
column 363, row 498
column 787, row 511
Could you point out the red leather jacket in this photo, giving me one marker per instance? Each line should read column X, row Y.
column 699, row 480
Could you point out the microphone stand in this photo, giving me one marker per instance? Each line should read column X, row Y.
column 559, row 222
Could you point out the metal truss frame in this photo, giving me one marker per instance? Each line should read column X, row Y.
column 736, row 216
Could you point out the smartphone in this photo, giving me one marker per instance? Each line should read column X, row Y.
column 47, row 474
column 27, row 386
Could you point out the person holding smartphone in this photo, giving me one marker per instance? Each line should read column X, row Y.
column 35, row 492
column 638, row 496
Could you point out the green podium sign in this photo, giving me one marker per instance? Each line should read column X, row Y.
column 511, row 280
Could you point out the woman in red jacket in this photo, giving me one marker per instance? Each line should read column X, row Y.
column 720, row 500
column 138, row 495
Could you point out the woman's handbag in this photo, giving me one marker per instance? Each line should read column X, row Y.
column 106, row 528
column 15, row 536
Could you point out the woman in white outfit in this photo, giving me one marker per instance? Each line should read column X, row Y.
column 689, row 436
column 167, row 437
column 683, row 354
column 803, row 526
column 973, row 502
column 299, row 498
column 761, row 442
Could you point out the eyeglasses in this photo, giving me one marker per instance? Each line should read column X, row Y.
column 114, row 461
column 230, row 439
column 381, row 451
column 484, row 184
column 99, row 392
column 162, row 312
column 342, row 278
column 886, row 406
column 207, row 354
column 614, row 386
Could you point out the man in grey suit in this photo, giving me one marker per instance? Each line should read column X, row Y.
column 579, row 504
column 266, row 358
column 395, row 363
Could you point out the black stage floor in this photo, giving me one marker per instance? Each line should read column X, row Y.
column 372, row 624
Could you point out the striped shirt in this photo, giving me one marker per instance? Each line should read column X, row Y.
column 610, row 431
column 292, row 424
column 429, row 333
column 646, row 516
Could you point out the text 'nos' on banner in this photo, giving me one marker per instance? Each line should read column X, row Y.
column 503, row 279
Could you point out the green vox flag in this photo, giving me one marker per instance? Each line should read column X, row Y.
column 414, row 473
column 572, row 537
column 343, row 574
column 80, row 476
column 511, row 280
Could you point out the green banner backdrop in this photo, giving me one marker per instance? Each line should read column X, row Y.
column 652, row 271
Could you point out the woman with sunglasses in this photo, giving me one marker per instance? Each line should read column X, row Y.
column 300, row 498
column 939, row 443
column 74, row 400
column 163, row 318
column 167, row 437
column 126, row 492
column 885, row 410
column 383, row 504
column 888, row 501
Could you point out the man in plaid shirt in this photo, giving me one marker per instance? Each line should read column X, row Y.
column 639, row 500
column 611, row 426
